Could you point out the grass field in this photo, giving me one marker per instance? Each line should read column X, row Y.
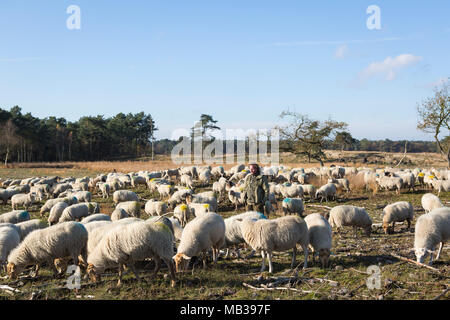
column 344, row 279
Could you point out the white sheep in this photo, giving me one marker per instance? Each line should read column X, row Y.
column 276, row 235
column 56, row 212
column 326, row 191
column 165, row 190
column 199, row 209
column 177, row 228
column 309, row 189
column 118, row 214
column 342, row 183
column 14, row 216
column 105, row 189
column 204, row 197
column 431, row 229
column 27, row 227
column 182, row 213
column 289, row 190
column 25, row 200
column 390, row 183
column 133, row 208
column 78, row 211
column 46, row 245
column 131, row 243
column 236, row 197
column 347, row 215
column 9, row 239
column 233, row 233
column 292, row 206
column 200, row 234
column 430, row 202
column 187, row 181
column 439, row 185
column 51, row 202
column 124, row 195
column 320, row 236
column 153, row 207
column 397, row 212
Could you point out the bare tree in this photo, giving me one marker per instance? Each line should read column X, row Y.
column 304, row 136
column 434, row 117
column 9, row 137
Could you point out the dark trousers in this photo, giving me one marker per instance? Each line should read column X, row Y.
column 259, row 207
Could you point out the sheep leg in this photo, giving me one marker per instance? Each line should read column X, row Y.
column 36, row 271
column 294, row 254
column 393, row 226
column 136, row 274
column 355, row 231
column 157, row 265
column 269, row 257
column 409, row 224
column 305, row 251
column 439, row 251
column 227, row 253
column 119, row 282
column 169, row 263
column 263, row 266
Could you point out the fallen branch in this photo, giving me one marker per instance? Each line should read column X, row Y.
column 443, row 293
column 319, row 206
column 265, row 288
column 415, row 262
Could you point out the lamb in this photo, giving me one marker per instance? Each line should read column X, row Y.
column 319, row 237
column 276, row 235
column 134, row 242
column 153, row 207
column 105, row 189
column 233, row 234
column 347, row 215
column 431, row 229
column 25, row 200
column 397, row 212
column 326, row 191
column 78, row 211
column 293, row 205
column 46, row 245
column 56, row 212
column 132, row 208
column 96, row 217
column 236, row 197
column 14, row 216
column 182, row 213
column 9, row 239
column 27, row 227
column 187, row 181
column 430, row 202
column 220, row 186
column 309, row 189
column 200, row 234
column 118, row 214
column 165, row 190
column 124, row 195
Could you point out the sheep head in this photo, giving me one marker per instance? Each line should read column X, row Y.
column 181, row 261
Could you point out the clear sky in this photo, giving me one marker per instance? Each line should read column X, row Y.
column 241, row 61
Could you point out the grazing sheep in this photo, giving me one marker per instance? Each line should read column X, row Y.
column 133, row 242
column 276, row 235
column 133, row 208
column 199, row 209
column 25, row 200
column 390, row 183
column 9, row 239
column 6, row 194
column 78, row 211
column 236, row 198
column 233, row 233
column 51, row 202
column 439, row 185
column 105, row 189
column 118, row 214
column 309, row 189
column 397, row 212
column 319, row 237
column 46, row 245
column 178, row 197
column 347, row 215
column 205, row 197
column 27, row 227
column 430, row 202
column 292, row 206
column 431, row 229
column 182, row 213
column 342, row 183
column 200, row 234
column 14, row 216
column 186, row 180
column 165, row 190
column 326, row 191
column 153, row 207
column 177, row 228
column 56, row 212
column 96, row 217
column 59, row 188
column 288, row 190
column 124, row 195
column 136, row 180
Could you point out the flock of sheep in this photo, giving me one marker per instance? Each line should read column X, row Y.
column 184, row 224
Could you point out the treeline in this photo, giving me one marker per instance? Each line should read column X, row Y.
column 384, row 146
column 25, row 138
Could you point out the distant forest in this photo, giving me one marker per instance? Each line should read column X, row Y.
column 25, row 138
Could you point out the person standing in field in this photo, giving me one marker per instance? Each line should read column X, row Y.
column 256, row 189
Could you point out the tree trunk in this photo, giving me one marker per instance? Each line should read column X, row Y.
column 6, row 158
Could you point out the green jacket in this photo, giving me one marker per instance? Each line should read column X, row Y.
column 256, row 189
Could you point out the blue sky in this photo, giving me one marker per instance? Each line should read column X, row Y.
column 241, row 61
